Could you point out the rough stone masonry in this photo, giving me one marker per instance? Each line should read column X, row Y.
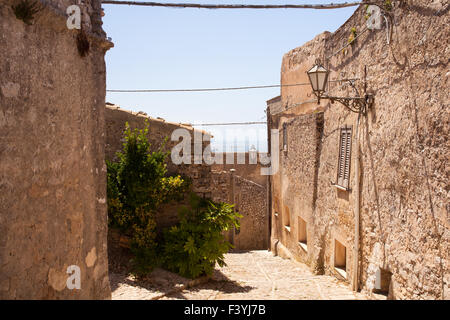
column 52, row 168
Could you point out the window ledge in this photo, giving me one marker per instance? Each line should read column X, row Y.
column 341, row 272
column 288, row 228
column 303, row 245
column 340, row 187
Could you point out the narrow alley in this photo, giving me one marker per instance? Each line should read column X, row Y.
column 252, row 275
column 229, row 150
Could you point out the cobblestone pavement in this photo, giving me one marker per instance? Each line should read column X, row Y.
column 253, row 275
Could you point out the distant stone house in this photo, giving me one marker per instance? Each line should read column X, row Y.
column 386, row 229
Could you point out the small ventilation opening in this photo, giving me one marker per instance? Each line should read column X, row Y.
column 302, row 235
column 382, row 281
column 287, row 219
column 340, row 258
column 276, row 206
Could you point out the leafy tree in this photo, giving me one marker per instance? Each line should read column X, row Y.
column 193, row 247
column 137, row 186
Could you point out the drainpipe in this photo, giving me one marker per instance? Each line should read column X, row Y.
column 232, row 178
column 269, row 180
column 269, row 212
column 357, row 203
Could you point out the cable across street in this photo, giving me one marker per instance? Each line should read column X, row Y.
column 210, row 89
column 236, row 6
column 219, row 89
column 229, row 123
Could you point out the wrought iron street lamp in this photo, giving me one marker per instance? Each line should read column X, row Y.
column 318, row 77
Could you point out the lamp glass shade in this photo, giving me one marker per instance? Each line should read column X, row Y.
column 318, row 76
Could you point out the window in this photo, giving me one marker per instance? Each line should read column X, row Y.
column 345, row 146
column 302, row 235
column 284, row 137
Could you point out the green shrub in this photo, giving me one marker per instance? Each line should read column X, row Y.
column 137, row 185
column 388, row 5
column 353, row 35
column 368, row 14
column 196, row 244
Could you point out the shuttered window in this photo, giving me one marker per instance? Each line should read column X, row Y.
column 345, row 148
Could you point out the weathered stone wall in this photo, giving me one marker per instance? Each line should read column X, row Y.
column 245, row 169
column 251, row 203
column 298, row 181
column 52, row 170
column 250, row 200
column 222, row 186
column 275, row 105
column 405, row 226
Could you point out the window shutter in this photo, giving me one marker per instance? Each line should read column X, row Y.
column 348, row 148
column 345, row 145
column 341, row 160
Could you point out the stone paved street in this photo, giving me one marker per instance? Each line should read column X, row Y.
column 248, row 276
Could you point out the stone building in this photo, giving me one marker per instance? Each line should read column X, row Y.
column 52, row 170
column 366, row 199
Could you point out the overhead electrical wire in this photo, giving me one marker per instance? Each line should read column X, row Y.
column 210, row 89
column 236, row 6
column 217, row 89
column 229, row 123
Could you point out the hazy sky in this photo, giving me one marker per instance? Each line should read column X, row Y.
column 165, row 48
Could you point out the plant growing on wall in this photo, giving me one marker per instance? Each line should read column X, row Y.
column 350, row 41
column 368, row 14
column 388, row 5
column 196, row 244
column 352, row 37
column 83, row 45
column 25, row 10
column 137, row 185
